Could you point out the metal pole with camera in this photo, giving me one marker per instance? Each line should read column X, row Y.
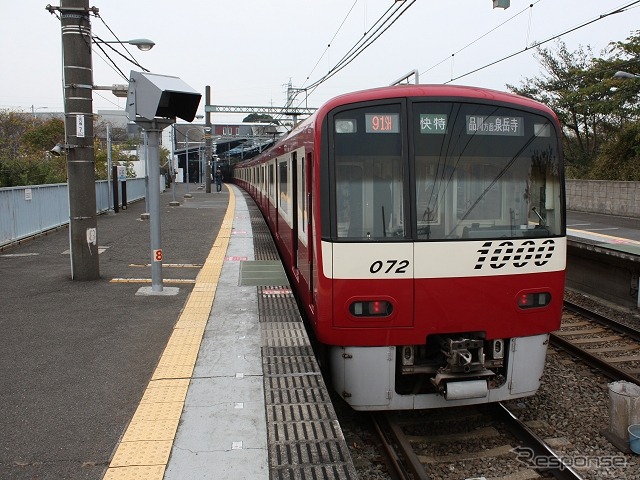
column 153, row 102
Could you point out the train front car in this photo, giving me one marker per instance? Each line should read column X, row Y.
column 443, row 245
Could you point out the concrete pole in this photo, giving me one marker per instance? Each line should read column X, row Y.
column 109, row 165
column 78, row 110
column 208, row 155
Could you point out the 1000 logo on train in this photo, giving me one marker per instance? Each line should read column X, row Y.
column 505, row 253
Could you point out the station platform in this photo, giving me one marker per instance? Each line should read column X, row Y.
column 214, row 378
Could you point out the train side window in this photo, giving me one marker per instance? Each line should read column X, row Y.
column 283, row 191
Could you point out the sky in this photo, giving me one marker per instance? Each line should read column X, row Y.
column 248, row 51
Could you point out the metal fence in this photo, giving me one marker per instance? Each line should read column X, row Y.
column 31, row 210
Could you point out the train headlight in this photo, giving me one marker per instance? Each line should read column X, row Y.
column 372, row 308
column 533, row 299
column 346, row 126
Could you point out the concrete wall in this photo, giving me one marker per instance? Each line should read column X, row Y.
column 603, row 196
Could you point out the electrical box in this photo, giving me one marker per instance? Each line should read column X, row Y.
column 501, row 3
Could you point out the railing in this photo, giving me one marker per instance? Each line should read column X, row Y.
column 31, row 210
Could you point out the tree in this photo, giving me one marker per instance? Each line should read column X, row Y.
column 578, row 87
column 619, row 158
column 25, row 143
column 259, row 118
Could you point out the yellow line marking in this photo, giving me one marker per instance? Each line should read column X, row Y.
column 602, row 236
column 169, row 265
column 148, row 280
column 145, row 447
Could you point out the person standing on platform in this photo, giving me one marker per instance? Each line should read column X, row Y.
column 218, row 179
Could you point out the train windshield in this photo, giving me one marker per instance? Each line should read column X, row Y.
column 369, row 173
column 445, row 171
column 484, row 171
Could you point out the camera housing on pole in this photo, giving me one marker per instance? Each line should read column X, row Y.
column 153, row 103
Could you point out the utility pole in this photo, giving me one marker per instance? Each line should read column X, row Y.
column 78, row 112
column 207, row 142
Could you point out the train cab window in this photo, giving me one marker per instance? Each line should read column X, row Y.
column 485, row 171
column 368, row 171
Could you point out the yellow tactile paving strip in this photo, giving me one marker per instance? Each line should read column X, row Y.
column 143, row 451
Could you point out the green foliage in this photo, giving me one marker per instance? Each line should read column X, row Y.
column 25, row 142
column 597, row 112
column 619, row 158
column 259, row 118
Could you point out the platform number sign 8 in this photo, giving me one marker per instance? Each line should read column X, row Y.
column 157, row 255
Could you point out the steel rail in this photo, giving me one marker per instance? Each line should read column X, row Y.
column 391, row 454
column 608, row 369
column 545, row 458
column 604, row 321
column 406, row 450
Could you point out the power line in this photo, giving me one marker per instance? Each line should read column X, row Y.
column 331, row 41
column 554, row 37
column 381, row 25
column 530, row 7
column 132, row 59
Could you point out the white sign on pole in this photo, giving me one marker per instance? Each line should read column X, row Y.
column 80, row 126
column 122, row 173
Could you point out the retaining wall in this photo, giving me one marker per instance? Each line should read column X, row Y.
column 603, row 196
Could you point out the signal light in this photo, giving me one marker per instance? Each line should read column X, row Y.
column 534, row 300
column 372, row 308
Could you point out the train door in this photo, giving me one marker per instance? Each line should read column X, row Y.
column 272, row 202
column 294, row 209
column 307, row 180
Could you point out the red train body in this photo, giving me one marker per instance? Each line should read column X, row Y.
column 423, row 228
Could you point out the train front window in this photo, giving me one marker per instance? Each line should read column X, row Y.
column 485, row 171
column 368, row 170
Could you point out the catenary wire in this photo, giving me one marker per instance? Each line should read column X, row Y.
column 542, row 42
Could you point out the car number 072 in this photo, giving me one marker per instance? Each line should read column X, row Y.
column 389, row 266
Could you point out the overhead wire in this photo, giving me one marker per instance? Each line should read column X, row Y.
column 384, row 22
column 110, row 63
column 530, row 7
column 381, row 25
column 331, row 41
column 542, row 42
column 132, row 59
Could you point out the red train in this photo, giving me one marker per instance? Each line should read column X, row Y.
column 423, row 228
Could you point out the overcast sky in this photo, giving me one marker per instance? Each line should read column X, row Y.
column 248, row 50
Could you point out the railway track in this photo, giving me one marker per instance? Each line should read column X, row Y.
column 487, row 441
column 600, row 342
column 468, row 442
column 569, row 413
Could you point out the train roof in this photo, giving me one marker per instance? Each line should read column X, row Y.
column 411, row 91
column 431, row 90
